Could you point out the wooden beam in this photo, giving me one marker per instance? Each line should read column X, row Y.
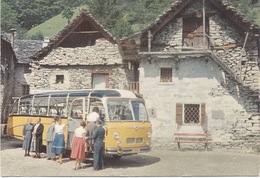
column 87, row 32
column 228, row 46
column 174, row 53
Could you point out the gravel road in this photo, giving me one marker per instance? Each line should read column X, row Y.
column 155, row 163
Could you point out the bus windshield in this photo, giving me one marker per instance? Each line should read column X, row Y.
column 124, row 109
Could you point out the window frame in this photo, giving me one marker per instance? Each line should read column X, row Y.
column 105, row 76
column 180, row 114
column 163, row 75
column 59, row 79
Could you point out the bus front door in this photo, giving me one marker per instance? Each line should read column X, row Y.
column 76, row 116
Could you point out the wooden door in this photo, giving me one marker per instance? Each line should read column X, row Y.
column 193, row 32
column 99, row 81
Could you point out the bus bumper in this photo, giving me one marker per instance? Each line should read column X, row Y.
column 126, row 151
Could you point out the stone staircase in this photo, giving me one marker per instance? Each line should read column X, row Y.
column 213, row 56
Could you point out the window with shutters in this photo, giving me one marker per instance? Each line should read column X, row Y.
column 190, row 114
column 166, row 75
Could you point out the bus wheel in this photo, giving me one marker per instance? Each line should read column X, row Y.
column 117, row 156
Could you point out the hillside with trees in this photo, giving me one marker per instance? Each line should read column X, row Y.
column 34, row 19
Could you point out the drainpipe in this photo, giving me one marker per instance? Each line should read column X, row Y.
column 204, row 26
column 12, row 31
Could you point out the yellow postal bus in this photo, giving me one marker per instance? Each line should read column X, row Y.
column 128, row 129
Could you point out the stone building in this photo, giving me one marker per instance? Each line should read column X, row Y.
column 83, row 55
column 8, row 61
column 199, row 72
column 15, row 71
column 24, row 49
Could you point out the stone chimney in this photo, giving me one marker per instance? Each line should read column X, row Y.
column 13, row 32
column 46, row 41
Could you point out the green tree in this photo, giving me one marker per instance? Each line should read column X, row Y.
column 68, row 6
column 122, row 28
column 245, row 7
column 34, row 12
column 8, row 17
column 106, row 12
column 67, row 13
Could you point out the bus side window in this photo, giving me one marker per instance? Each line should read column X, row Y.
column 14, row 109
column 32, row 111
column 63, row 112
column 53, row 112
column 23, row 110
column 42, row 111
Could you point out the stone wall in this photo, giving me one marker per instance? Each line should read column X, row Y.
column 229, row 109
column 21, row 78
column 77, row 66
column 242, row 61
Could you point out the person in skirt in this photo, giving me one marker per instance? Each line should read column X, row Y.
column 58, row 145
column 78, row 145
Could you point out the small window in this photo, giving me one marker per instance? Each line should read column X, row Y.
column 59, row 78
column 166, row 75
column 26, row 89
column 190, row 114
column 26, row 69
column 100, row 80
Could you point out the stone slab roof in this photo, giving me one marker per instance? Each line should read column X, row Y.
column 222, row 5
column 24, row 49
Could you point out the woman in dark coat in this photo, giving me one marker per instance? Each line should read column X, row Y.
column 27, row 136
column 37, row 132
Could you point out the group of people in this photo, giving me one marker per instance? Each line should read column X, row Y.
column 87, row 133
column 32, row 136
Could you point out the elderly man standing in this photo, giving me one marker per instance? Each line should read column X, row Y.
column 27, row 136
column 37, row 132
column 49, row 139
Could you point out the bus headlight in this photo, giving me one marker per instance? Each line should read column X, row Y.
column 147, row 143
column 116, row 135
column 149, row 134
column 119, row 144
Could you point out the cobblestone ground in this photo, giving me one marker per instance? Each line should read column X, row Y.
column 155, row 163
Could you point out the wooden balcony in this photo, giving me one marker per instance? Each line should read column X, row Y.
column 133, row 86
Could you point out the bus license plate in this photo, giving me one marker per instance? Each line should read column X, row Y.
column 136, row 150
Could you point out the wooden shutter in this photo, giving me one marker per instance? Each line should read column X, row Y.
column 179, row 113
column 203, row 113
